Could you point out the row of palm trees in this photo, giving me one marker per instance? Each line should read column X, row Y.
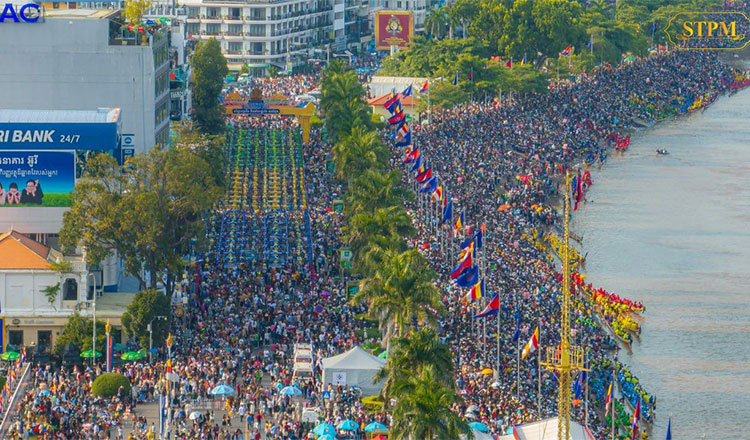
column 397, row 283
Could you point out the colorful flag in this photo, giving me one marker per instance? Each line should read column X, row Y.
column 404, row 140
column 523, row 61
column 407, row 91
column 429, row 185
column 532, row 345
column 455, row 79
column 509, row 64
column 636, row 418
column 492, row 307
column 391, row 102
column 609, row 399
column 397, row 117
column 412, row 155
column 578, row 388
column 437, row 196
column 468, row 278
column 476, row 238
column 417, row 164
column 425, row 87
column 459, row 225
column 463, row 265
column 424, row 175
column 471, row 74
column 567, row 51
column 476, row 292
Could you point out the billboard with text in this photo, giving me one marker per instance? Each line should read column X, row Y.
column 36, row 178
column 393, row 28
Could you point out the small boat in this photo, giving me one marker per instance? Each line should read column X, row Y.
column 662, row 151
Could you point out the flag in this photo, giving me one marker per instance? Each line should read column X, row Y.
column 471, row 74
column 509, row 64
column 591, row 41
column 417, row 164
column 517, row 333
column 523, row 61
column 407, row 91
column 468, row 278
column 567, row 51
column 109, row 354
column 465, row 250
column 437, row 195
column 459, row 225
column 412, row 155
column 636, row 418
column 425, row 87
column 424, row 175
column 669, row 430
column 476, row 292
column 447, row 211
column 578, row 388
column 609, row 399
column 532, row 345
column 455, row 79
column 492, row 307
column 405, row 139
column 463, row 265
column 474, row 238
column 391, row 102
column 429, row 185
column 397, row 117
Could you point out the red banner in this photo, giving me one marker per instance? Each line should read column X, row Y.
column 393, row 28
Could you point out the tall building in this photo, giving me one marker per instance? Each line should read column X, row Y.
column 418, row 7
column 283, row 34
column 81, row 59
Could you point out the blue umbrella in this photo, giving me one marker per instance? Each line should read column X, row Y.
column 222, row 390
column 324, row 428
column 291, row 391
column 478, row 426
column 327, row 437
column 153, row 350
column 348, row 425
column 376, row 427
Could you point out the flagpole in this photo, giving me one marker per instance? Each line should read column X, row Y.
column 518, row 358
column 586, row 402
column 612, row 414
column 539, row 357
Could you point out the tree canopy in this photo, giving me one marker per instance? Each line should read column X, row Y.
column 147, row 305
column 209, row 70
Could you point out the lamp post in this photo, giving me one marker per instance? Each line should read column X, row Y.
column 151, row 336
column 93, row 346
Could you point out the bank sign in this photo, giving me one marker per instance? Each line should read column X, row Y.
column 58, row 136
column 36, row 178
column 28, row 13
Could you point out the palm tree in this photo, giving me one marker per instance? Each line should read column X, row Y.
column 384, row 227
column 437, row 23
column 358, row 152
column 342, row 118
column 423, row 408
column 420, row 350
column 401, row 288
column 373, row 190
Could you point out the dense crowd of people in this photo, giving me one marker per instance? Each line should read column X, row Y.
column 241, row 322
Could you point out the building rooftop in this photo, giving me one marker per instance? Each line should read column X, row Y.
column 21, row 252
column 98, row 115
column 80, row 13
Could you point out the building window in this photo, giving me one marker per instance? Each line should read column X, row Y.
column 234, row 29
column 162, row 138
column 398, row 5
column 194, row 12
column 161, row 84
column 235, row 47
column 70, row 290
column 193, row 28
column 212, row 12
column 162, row 112
column 15, row 337
column 213, row 29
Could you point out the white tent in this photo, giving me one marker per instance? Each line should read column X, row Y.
column 547, row 430
column 355, row 367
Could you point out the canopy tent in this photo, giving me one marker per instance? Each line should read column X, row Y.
column 547, row 430
column 354, row 367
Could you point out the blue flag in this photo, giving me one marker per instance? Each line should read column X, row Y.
column 407, row 91
column 429, row 185
column 669, row 430
column 468, row 278
column 447, row 212
column 417, row 164
column 517, row 333
column 477, row 237
column 455, row 79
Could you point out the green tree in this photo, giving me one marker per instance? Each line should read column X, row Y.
column 134, row 10
column 146, row 305
column 358, row 152
column 372, row 190
column 401, row 289
column 79, row 332
column 148, row 211
column 108, row 385
column 342, row 103
column 209, row 69
column 390, row 224
column 423, row 408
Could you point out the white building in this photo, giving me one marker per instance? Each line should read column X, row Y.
column 419, row 7
column 77, row 59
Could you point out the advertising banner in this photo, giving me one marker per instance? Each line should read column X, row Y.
column 393, row 28
column 37, row 178
column 58, row 136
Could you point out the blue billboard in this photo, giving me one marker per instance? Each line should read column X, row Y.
column 37, row 178
column 100, row 136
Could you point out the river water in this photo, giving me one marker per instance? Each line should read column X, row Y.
column 674, row 232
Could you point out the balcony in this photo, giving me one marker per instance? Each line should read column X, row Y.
column 231, row 19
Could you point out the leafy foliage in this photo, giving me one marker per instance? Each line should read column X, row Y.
column 209, row 70
column 135, row 9
column 108, row 385
column 145, row 306
column 79, row 332
column 50, row 292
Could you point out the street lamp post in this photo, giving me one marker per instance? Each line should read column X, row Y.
column 93, row 346
column 151, row 336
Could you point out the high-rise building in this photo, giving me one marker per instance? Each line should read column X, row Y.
column 418, row 7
